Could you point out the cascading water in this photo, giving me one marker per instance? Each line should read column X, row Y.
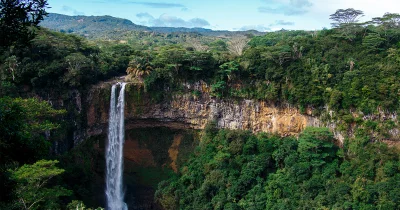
column 114, row 158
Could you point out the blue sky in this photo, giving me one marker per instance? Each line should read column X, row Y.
column 262, row 15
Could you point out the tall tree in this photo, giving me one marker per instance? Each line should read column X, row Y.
column 389, row 20
column 346, row 22
column 345, row 16
column 16, row 16
column 388, row 26
column 237, row 44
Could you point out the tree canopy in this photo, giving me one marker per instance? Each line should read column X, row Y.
column 238, row 170
column 16, row 18
column 33, row 191
column 345, row 16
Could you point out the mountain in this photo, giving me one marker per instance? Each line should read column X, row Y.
column 90, row 26
column 108, row 27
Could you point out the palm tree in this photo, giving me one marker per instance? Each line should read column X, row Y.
column 139, row 67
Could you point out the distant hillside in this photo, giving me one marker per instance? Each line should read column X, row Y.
column 107, row 27
column 90, row 26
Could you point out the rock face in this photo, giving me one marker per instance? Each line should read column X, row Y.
column 188, row 110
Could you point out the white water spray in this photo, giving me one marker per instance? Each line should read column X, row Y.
column 114, row 152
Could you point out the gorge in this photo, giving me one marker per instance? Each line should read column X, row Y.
column 126, row 118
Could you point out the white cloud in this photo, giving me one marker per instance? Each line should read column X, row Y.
column 156, row 4
column 166, row 20
column 71, row 11
column 288, row 8
column 282, row 23
column 261, row 28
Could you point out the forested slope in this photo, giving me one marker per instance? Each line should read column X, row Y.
column 238, row 170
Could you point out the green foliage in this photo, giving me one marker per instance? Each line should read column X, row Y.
column 218, row 89
column 78, row 66
column 272, row 39
column 23, row 123
column 237, row 170
column 81, row 165
column 227, row 70
column 318, row 69
column 58, row 61
column 32, row 190
column 373, row 42
column 79, row 205
column 16, row 18
column 113, row 60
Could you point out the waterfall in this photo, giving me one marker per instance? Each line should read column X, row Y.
column 114, row 152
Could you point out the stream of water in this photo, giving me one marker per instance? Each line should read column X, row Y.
column 114, row 152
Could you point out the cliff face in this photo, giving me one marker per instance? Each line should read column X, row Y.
column 187, row 110
column 193, row 108
column 195, row 112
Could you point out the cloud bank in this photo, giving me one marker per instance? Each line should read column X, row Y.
column 71, row 10
column 158, row 5
column 291, row 8
column 264, row 28
column 282, row 23
column 261, row 28
column 171, row 21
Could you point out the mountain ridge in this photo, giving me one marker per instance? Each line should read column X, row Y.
column 101, row 26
